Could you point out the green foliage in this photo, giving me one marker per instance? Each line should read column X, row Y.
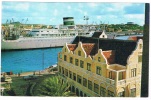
column 54, row 86
column 125, row 27
column 9, row 92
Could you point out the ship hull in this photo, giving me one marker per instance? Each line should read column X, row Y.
column 34, row 43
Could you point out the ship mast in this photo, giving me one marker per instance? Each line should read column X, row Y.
column 86, row 18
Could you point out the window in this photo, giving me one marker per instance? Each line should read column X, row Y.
column 65, row 58
column 120, row 76
column 110, row 93
column 98, row 70
column 84, row 82
column 79, row 79
column 133, row 92
column 121, row 94
column 71, row 60
column 74, row 76
column 133, row 72
column 79, row 53
column 139, row 58
column 60, row 55
column 102, row 91
column 62, row 70
column 88, row 66
column 70, row 74
column 76, row 62
column 96, row 88
column 66, row 72
column 81, row 63
column 110, row 74
column 99, row 59
column 140, row 46
column 89, row 85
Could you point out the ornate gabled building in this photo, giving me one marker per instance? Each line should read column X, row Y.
column 95, row 70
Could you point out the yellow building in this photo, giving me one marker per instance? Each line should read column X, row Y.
column 106, row 72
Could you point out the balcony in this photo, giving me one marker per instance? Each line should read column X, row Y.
column 110, row 81
column 86, row 72
column 121, row 82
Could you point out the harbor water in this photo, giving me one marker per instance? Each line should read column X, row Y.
column 28, row 60
column 32, row 60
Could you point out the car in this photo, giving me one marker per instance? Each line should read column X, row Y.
column 6, row 79
column 30, row 77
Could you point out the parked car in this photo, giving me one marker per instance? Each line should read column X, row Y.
column 6, row 79
column 30, row 77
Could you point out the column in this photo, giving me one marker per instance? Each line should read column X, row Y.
column 116, row 78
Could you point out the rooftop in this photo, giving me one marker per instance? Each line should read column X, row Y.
column 118, row 49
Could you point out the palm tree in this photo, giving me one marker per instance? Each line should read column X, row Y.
column 54, row 86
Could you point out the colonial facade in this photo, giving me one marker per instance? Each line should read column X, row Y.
column 92, row 71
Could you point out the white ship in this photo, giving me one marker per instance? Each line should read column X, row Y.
column 12, row 39
column 44, row 38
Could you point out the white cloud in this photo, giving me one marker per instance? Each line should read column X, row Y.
column 110, row 9
column 34, row 14
column 98, row 17
column 17, row 6
column 120, row 6
column 69, row 7
column 52, row 19
column 92, row 5
column 80, row 5
column 85, row 13
column 112, row 16
column 55, row 13
column 22, row 6
column 79, row 10
column 42, row 7
column 134, row 16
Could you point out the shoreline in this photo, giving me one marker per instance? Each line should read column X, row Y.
column 37, row 73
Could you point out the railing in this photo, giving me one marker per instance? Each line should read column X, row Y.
column 121, row 82
column 110, row 81
column 133, row 79
column 100, row 78
column 88, row 73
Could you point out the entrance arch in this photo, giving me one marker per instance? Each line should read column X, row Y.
column 77, row 91
column 73, row 89
column 81, row 94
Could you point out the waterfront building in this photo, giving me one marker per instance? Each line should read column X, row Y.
column 130, row 23
column 109, row 68
column 135, row 38
column 99, row 34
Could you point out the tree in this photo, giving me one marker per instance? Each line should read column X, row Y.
column 54, row 86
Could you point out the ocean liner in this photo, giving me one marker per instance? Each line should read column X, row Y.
column 11, row 39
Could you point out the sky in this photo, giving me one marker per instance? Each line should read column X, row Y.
column 52, row 13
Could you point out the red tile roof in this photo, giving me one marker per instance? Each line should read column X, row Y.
column 72, row 47
column 88, row 47
column 110, row 56
column 91, row 49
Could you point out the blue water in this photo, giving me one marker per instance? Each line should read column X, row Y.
column 31, row 60
column 28, row 60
